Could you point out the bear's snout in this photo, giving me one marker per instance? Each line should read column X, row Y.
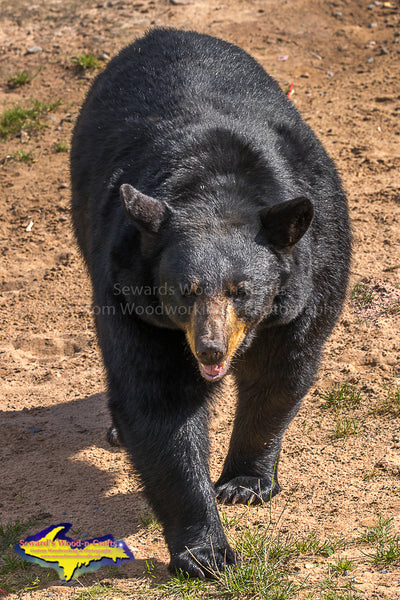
column 214, row 334
column 210, row 352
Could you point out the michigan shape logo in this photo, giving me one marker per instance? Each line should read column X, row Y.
column 71, row 558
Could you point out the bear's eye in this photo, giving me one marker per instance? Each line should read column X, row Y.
column 190, row 291
column 236, row 292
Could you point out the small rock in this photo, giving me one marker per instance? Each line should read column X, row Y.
column 24, row 137
column 104, row 56
column 330, row 73
column 34, row 430
column 178, row 2
column 338, row 15
column 34, row 49
column 29, row 227
column 305, row 75
column 371, row 7
column 383, row 49
column 373, row 25
column 370, row 60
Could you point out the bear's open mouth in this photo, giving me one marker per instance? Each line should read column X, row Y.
column 214, row 372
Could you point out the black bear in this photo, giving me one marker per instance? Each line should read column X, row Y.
column 215, row 230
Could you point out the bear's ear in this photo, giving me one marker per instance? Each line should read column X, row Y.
column 145, row 212
column 286, row 223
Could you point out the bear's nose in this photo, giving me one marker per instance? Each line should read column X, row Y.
column 210, row 353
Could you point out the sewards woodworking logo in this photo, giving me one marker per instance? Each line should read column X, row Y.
column 71, row 558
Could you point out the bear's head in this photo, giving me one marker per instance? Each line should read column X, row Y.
column 218, row 266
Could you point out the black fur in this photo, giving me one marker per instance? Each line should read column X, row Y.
column 226, row 194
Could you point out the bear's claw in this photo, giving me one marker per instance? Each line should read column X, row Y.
column 246, row 490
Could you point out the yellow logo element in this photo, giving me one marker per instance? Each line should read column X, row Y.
column 70, row 558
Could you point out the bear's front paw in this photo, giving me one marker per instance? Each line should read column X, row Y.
column 203, row 561
column 246, row 490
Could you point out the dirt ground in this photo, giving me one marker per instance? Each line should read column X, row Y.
column 343, row 58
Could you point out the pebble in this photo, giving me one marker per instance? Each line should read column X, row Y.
column 373, row 25
column 330, row 73
column 34, row 430
column 338, row 15
column 371, row 7
column 104, row 56
column 34, row 49
column 370, row 60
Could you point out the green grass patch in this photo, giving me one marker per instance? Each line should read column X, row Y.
column 97, row 591
column 16, row 574
column 86, row 62
column 330, row 590
column 25, row 157
column 342, row 566
column 391, row 404
column 386, row 554
column 362, row 294
column 18, row 80
column 148, row 520
column 13, row 120
column 265, row 568
column 11, row 533
column 346, row 427
column 312, row 544
column 385, row 542
column 380, row 533
column 341, row 397
column 230, row 521
column 61, row 147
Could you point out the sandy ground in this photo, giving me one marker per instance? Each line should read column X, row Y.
column 56, row 466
